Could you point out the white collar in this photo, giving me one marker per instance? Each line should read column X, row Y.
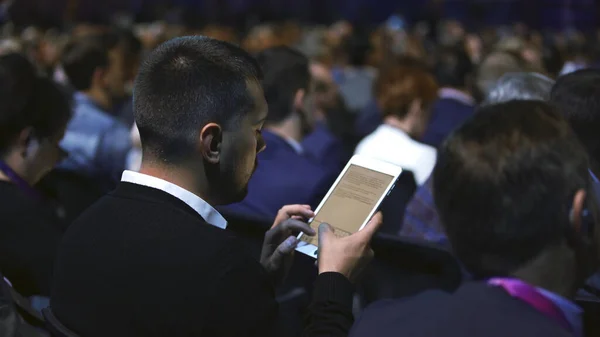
column 451, row 93
column 295, row 145
column 206, row 211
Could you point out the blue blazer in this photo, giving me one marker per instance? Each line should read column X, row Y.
column 283, row 177
column 447, row 114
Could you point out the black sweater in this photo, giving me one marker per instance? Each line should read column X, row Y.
column 141, row 262
column 30, row 234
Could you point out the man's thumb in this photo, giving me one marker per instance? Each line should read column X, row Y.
column 325, row 230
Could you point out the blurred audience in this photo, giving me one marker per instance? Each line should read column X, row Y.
column 454, row 72
column 98, row 143
column 405, row 96
column 421, row 218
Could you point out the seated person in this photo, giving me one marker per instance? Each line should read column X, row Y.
column 405, row 95
column 97, row 142
column 333, row 140
column 286, row 172
column 154, row 258
column 421, row 219
column 455, row 104
column 577, row 97
column 33, row 119
column 512, row 200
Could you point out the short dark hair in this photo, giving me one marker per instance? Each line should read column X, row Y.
column 186, row 83
column 28, row 101
column 577, row 98
column 453, row 67
column 504, row 183
column 285, row 72
column 81, row 59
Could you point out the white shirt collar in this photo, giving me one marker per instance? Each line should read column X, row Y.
column 206, row 211
column 295, row 145
column 457, row 95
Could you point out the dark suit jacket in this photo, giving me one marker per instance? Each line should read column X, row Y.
column 325, row 148
column 283, row 177
column 447, row 114
column 475, row 309
column 141, row 262
column 30, row 233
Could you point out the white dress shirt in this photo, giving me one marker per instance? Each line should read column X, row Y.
column 206, row 211
column 393, row 145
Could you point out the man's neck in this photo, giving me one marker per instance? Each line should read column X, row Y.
column 399, row 124
column 100, row 97
column 290, row 128
column 554, row 270
column 178, row 176
column 12, row 162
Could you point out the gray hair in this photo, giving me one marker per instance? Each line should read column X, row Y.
column 520, row 86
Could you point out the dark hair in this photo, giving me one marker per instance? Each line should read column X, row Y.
column 357, row 48
column 504, row 183
column 81, row 59
column 185, row 83
column 285, row 72
column 453, row 67
column 28, row 101
column 577, row 98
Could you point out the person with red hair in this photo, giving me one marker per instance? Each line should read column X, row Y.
column 404, row 95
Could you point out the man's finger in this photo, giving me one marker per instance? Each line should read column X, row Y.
column 284, row 249
column 372, row 226
column 297, row 226
column 289, row 211
column 325, row 230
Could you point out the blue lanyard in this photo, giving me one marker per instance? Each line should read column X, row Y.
column 17, row 180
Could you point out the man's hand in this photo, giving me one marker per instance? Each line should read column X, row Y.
column 280, row 241
column 348, row 255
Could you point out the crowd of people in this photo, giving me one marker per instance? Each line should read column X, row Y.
column 135, row 161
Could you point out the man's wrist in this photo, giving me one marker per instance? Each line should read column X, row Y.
column 333, row 287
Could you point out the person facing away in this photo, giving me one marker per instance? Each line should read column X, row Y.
column 577, row 96
column 290, row 172
column 33, row 118
column 512, row 199
column 421, row 219
column 153, row 258
column 455, row 104
column 98, row 144
column 405, row 95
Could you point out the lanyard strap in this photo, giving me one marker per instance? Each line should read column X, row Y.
column 17, row 180
column 528, row 294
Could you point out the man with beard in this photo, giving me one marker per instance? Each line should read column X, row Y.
column 287, row 173
column 152, row 258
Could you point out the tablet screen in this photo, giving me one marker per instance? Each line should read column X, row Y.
column 351, row 201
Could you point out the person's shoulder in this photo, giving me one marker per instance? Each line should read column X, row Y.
column 390, row 317
column 425, row 151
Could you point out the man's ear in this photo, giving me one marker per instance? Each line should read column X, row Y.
column 211, row 138
column 299, row 99
column 575, row 217
column 25, row 142
column 415, row 107
column 99, row 77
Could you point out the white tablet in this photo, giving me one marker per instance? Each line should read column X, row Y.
column 352, row 200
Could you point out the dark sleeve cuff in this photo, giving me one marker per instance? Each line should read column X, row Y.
column 333, row 287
